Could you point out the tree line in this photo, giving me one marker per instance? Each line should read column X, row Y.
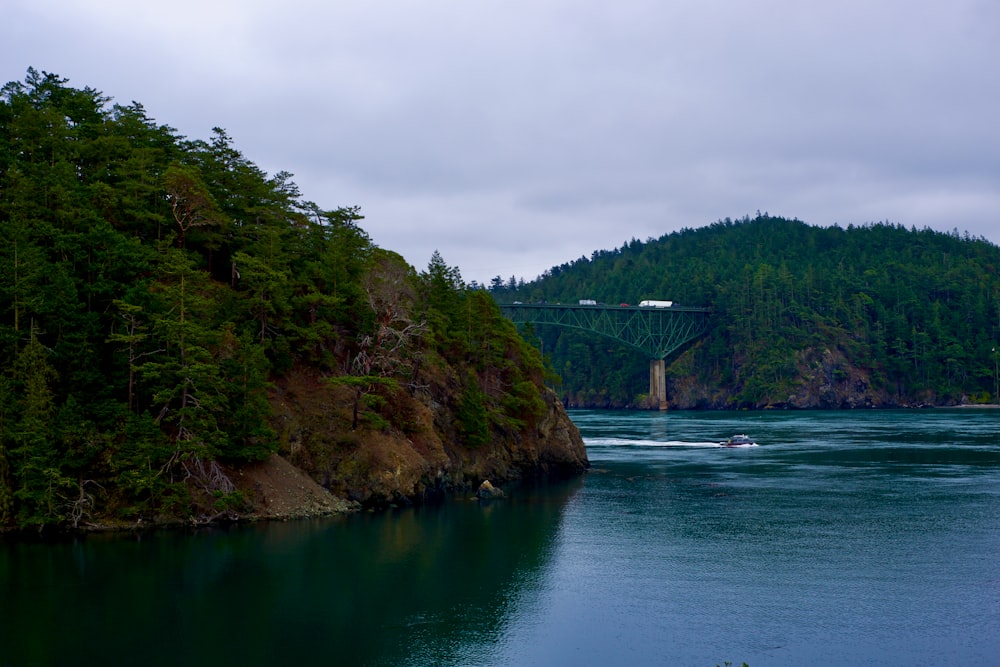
column 912, row 314
column 154, row 288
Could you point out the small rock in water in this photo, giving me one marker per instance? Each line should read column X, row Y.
column 488, row 492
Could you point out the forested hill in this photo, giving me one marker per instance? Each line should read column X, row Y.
column 874, row 315
column 171, row 316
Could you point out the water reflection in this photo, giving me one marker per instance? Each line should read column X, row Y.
column 415, row 586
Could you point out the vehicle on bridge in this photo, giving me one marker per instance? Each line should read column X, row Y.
column 651, row 303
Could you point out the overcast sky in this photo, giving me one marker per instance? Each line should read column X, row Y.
column 515, row 135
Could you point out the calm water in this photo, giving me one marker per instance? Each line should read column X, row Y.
column 842, row 539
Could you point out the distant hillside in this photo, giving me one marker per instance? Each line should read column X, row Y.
column 804, row 317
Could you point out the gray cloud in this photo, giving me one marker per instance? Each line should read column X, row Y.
column 514, row 136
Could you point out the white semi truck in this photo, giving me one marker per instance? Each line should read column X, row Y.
column 649, row 303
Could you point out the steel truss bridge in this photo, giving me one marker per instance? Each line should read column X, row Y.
column 656, row 332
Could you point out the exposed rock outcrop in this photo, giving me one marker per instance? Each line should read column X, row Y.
column 487, row 491
column 825, row 379
column 426, row 458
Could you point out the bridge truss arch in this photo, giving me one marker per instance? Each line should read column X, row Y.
column 656, row 332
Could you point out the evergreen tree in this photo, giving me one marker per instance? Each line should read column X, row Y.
column 904, row 312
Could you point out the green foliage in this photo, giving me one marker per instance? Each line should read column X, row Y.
column 913, row 313
column 507, row 373
column 153, row 290
column 376, row 422
column 471, row 416
column 522, row 404
column 235, row 501
column 150, row 276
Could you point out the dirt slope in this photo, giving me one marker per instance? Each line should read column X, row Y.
column 279, row 490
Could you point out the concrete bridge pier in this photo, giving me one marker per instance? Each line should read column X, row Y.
column 657, row 383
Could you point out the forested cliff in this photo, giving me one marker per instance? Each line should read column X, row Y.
column 803, row 317
column 172, row 318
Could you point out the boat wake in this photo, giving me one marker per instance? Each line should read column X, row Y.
column 624, row 442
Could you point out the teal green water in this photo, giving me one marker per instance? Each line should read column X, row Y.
column 844, row 538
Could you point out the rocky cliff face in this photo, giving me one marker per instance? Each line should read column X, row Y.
column 415, row 453
column 826, row 380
